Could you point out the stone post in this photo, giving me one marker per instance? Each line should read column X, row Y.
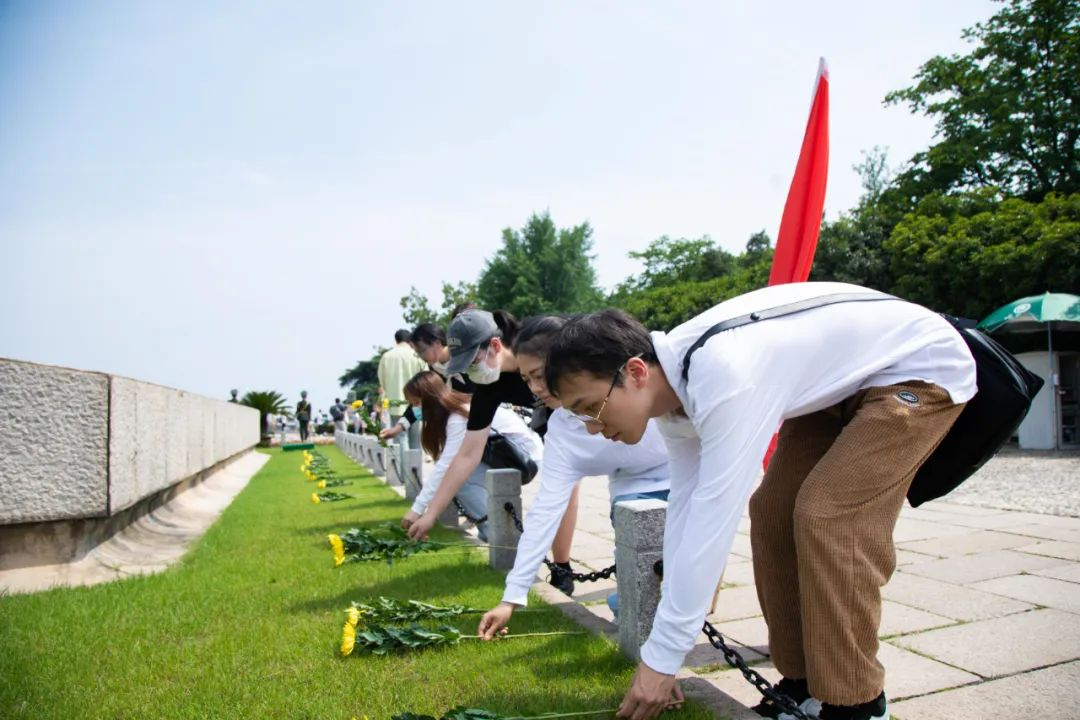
column 412, row 473
column 503, row 486
column 393, row 468
column 639, row 543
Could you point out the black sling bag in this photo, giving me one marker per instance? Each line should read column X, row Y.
column 1005, row 391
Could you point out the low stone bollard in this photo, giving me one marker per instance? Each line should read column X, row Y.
column 639, row 543
column 378, row 458
column 412, row 473
column 394, row 471
column 503, row 486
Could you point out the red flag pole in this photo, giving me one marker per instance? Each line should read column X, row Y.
column 797, row 238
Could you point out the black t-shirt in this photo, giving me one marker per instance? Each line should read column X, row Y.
column 457, row 382
column 486, row 399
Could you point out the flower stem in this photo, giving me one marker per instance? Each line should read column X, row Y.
column 522, row 635
column 546, row 716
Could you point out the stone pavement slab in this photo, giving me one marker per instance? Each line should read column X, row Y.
column 953, row 601
column 1043, row 591
column 736, row 603
column 1002, row 646
column 908, row 530
column 973, row 542
column 897, row 619
column 967, row 569
column 1053, row 692
column 1047, row 532
column 1069, row 573
column 1055, row 549
column 739, row 572
column 909, row 674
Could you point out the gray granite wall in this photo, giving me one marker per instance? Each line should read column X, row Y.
column 79, row 445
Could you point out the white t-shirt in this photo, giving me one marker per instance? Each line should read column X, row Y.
column 506, row 421
column 742, row 384
column 571, row 453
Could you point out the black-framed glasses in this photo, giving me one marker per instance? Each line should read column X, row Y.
column 587, row 418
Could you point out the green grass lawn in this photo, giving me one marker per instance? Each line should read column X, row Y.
column 248, row 625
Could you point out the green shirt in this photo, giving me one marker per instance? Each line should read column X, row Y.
column 397, row 367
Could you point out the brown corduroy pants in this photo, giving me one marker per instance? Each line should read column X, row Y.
column 821, row 528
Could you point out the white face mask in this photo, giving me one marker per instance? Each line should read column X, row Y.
column 439, row 367
column 483, row 374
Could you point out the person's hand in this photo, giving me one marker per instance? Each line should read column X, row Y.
column 390, row 432
column 421, row 527
column 495, row 620
column 408, row 519
column 650, row 694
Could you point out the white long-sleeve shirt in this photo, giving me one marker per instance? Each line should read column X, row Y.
column 571, row 454
column 742, row 384
column 506, row 422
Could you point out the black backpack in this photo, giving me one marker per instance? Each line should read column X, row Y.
column 336, row 412
column 1006, row 389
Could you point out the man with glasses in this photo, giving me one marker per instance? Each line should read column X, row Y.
column 865, row 389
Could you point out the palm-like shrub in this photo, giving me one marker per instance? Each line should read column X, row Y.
column 267, row 402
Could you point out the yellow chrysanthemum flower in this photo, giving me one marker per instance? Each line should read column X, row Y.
column 385, row 403
column 321, row 485
column 348, row 639
column 315, row 498
column 338, row 548
column 357, row 404
column 353, row 615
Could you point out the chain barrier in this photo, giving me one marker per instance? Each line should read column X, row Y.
column 465, row 514
column 735, row 660
column 577, row 577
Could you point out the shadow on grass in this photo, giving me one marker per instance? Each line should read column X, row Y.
column 443, row 579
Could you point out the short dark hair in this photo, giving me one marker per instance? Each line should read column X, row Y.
column 508, row 326
column 536, row 333
column 598, row 343
column 402, row 336
column 428, row 334
column 462, row 307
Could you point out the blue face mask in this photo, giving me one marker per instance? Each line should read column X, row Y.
column 418, row 411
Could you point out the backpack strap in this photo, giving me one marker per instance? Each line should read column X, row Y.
column 775, row 312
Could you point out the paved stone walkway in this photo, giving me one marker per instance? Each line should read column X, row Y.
column 981, row 619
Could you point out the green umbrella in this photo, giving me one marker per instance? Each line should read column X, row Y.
column 1046, row 312
column 1034, row 313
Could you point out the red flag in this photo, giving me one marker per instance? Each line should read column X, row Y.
column 798, row 236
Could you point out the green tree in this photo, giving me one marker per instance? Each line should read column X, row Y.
column 417, row 309
column 267, row 402
column 669, row 261
column 541, row 269
column 363, row 378
column 968, row 253
column 1008, row 112
column 679, row 287
column 850, row 247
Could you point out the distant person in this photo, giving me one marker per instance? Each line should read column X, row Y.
column 337, row 414
column 234, row 393
column 396, row 367
column 303, row 415
column 281, row 425
column 429, row 342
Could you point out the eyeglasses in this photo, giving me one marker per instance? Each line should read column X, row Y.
column 585, row 417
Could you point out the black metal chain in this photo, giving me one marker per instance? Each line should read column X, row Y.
column 766, row 688
column 465, row 513
column 552, row 566
column 735, row 660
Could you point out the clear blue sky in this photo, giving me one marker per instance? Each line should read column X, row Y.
column 212, row 195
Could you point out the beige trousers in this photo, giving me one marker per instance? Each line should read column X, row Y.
column 821, row 528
